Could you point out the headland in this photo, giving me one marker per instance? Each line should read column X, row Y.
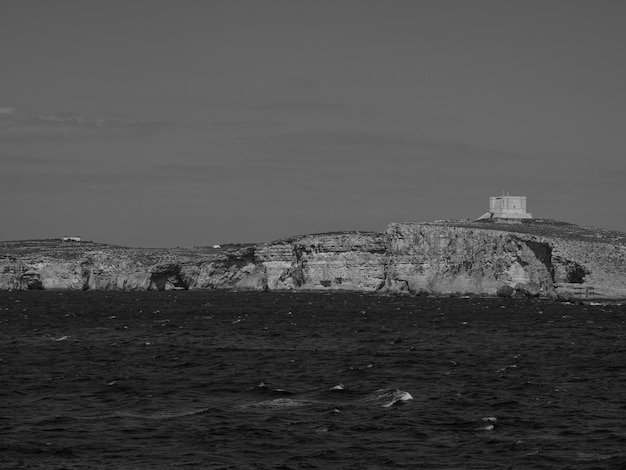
column 518, row 257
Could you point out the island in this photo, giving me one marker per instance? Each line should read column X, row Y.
column 492, row 256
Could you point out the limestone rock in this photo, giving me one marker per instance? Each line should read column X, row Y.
column 444, row 259
column 339, row 261
column 167, row 277
column 529, row 259
column 505, row 291
column 529, row 289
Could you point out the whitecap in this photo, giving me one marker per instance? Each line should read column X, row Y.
column 266, row 388
column 161, row 414
column 388, row 397
column 400, row 397
column 277, row 403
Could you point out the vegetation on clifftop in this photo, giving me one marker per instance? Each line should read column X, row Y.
column 446, row 256
column 65, row 250
column 548, row 228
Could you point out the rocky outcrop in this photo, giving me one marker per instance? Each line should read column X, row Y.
column 340, row 261
column 588, row 269
column 536, row 258
column 231, row 270
column 442, row 259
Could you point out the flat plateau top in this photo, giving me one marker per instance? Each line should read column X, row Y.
column 548, row 228
column 537, row 227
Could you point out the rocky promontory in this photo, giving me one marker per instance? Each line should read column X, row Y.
column 495, row 257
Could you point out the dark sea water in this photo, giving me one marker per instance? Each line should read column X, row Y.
column 221, row 380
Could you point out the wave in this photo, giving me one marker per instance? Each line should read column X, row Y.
column 265, row 389
column 333, row 397
column 37, row 448
column 605, row 303
column 160, row 414
column 150, row 415
column 277, row 403
column 387, row 397
column 62, row 338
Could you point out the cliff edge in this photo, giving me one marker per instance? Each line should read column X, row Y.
column 529, row 258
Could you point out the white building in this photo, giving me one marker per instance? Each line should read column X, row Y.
column 507, row 207
column 71, row 239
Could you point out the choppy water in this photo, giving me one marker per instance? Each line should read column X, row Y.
column 216, row 380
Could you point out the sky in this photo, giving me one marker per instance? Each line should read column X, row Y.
column 164, row 123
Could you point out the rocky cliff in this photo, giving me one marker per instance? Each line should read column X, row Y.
column 450, row 259
column 533, row 258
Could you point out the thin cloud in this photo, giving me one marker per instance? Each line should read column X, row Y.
column 7, row 110
column 328, row 138
column 302, row 84
column 373, row 145
column 246, row 124
column 68, row 126
column 300, row 105
column 9, row 160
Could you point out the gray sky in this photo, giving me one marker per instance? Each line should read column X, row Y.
column 178, row 123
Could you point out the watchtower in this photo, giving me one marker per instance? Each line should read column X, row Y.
column 507, row 207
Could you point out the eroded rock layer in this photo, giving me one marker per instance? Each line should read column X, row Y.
column 457, row 260
column 536, row 258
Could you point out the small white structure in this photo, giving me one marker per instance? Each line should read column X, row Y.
column 71, row 239
column 507, row 207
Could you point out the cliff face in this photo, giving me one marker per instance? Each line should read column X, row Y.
column 348, row 261
column 544, row 259
column 584, row 269
column 456, row 260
